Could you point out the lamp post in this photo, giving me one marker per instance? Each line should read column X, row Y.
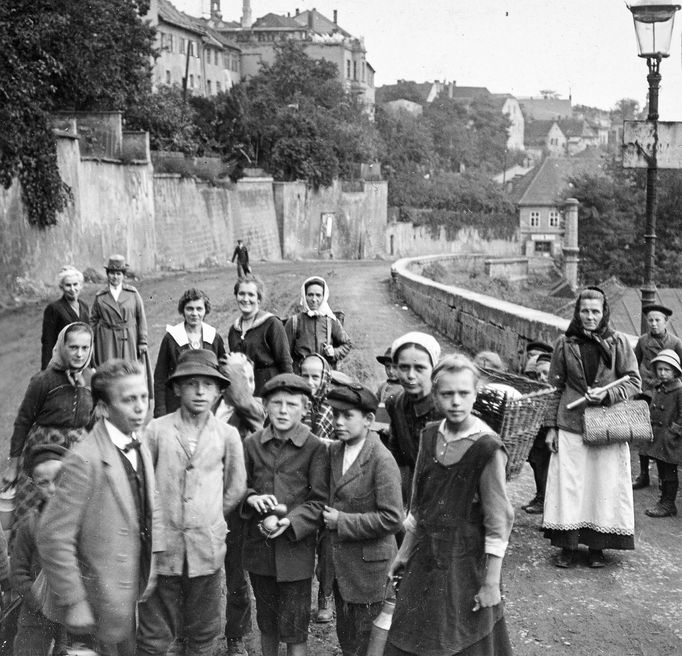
column 653, row 28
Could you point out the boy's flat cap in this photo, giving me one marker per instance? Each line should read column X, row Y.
column 352, row 396
column 657, row 308
column 286, row 383
column 385, row 358
column 539, row 346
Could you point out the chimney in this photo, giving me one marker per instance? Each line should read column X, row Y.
column 336, row 16
column 215, row 10
column 246, row 14
column 297, row 12
column 570, row 245
column 311, row 18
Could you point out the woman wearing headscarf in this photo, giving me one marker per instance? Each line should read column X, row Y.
column 56, row 409
column 319, row 418
column 61, row 313
column 191, row 333
column 316, row 328
column 589, row 493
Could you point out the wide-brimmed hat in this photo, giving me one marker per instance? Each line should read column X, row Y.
column 116, row 263
column 656, row 307
column 669, row 357
column 385, row 358
column 287, row 383
column 198, row 362
column 352, row 396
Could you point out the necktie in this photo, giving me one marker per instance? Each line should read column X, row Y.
column 133, row 444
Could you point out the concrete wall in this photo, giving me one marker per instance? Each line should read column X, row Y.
column 358, row 222
column 507, row 268
column 405, row 239
column 475, row 320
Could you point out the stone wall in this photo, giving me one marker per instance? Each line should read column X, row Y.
column 477, row 321
column 346, row 220
column 403, row 239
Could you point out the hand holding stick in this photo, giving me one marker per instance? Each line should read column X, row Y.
column 583, row 399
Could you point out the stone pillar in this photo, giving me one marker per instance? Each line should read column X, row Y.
column 570, row 245
column 246, row 14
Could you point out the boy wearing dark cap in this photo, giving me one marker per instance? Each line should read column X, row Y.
column 391, row 386
column 288, row 481
column 364, row 514
column 648, row 346
column 35, row 632
column 200, row 477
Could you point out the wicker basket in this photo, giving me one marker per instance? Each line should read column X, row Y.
column 517, row 421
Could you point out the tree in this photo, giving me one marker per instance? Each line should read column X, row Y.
column 62, row 56
column 626, row 109
column 402, row 90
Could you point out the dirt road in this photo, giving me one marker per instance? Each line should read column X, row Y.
column 633, row 607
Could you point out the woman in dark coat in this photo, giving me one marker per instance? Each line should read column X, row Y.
column 258, row 334
column 56, row 409
column 61, row 313
column 192, row 333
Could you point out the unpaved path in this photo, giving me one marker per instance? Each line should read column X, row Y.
column 633, row 607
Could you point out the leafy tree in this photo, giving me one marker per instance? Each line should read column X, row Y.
column 402, row 90
column 62, row 56
column 626, row 109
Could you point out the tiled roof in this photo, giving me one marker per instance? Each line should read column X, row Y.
column 320, row 23
column 535, row 132
column 553, row 176
column 275, row 20
column 469, row 93
column 169, row 14
column 545, row 108
column 521, row 183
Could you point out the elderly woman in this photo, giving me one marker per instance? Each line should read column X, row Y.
column 61, row 313
column 56, row 408
column 191, row 333
column 450, row 601
column 588, row 499
column 258, row 334
column 117, row 317
column 316, row 329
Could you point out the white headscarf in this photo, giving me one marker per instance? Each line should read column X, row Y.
column 428, row 343
column 324, row 310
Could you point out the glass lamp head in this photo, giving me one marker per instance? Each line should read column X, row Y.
column 653, row 21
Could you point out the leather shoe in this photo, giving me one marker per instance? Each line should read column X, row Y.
column 566, row 559
column 640, row 482
column 535, row 507
column 595, row 559
column 661, row 510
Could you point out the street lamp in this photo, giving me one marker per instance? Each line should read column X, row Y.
column 653, row 28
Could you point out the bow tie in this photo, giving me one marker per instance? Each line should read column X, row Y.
column 133, row 444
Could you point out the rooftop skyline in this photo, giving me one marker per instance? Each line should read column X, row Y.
column 583, row 48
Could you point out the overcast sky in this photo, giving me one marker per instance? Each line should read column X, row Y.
column 583, row 47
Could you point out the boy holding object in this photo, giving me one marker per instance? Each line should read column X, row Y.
column 363, row 515
column 288, row 480
column 200, row 476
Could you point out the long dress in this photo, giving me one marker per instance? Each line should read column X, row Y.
column 433, row 615
column 119, row 327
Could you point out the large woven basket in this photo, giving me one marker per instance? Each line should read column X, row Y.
column 517, row 421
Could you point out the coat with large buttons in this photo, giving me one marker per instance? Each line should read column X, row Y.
column 88, row 536
column 666, row 422
column 369, row 500
column 197, row 491
column 296, row 472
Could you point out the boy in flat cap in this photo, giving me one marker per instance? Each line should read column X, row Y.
column 649, row 345
column 200, row 476
column 364, row 514
column 287, row 473
column 35, row 632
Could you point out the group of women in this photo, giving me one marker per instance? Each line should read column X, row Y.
column 459, row 518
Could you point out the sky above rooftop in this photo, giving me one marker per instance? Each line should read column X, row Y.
column 585, row 48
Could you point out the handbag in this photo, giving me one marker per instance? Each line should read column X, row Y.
column 628, row 421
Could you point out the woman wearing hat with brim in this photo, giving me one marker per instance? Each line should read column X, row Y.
column 666, row 422
column 117, row 317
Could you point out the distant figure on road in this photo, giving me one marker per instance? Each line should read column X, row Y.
column 117, row 318
column 242, row 256
column 59, row 314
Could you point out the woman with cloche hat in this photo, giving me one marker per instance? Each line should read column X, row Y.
column 666, row 422
column 117, row 317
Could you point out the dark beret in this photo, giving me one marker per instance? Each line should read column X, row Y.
column 657, row 308
column 352, row 396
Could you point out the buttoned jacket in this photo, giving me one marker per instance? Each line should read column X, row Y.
column 647, row 348
column 88, row 536
column 296, row 472
column 196, row 490
column 369, row 500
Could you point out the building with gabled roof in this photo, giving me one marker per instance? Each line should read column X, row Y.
column 543, row 109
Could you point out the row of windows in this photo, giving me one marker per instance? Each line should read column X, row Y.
column 362, row 67
column 190, row 83
column 171, row 43
column 554, row 218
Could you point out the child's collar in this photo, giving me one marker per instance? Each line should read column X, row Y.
column 297, row 435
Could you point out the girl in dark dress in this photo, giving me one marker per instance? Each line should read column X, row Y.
column 449, row 601
column 258, row 334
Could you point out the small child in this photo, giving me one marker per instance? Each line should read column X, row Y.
column 364, row 513
column 35, row 632
column 666, row 421
column 287, row 473
column 391, row 386
column 542, row 363
column 200, row 476
column 319, row 418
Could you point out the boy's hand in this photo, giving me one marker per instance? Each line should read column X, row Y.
column 284, row 524
column 331, row 518
column 262, row 503
column 79, row 618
